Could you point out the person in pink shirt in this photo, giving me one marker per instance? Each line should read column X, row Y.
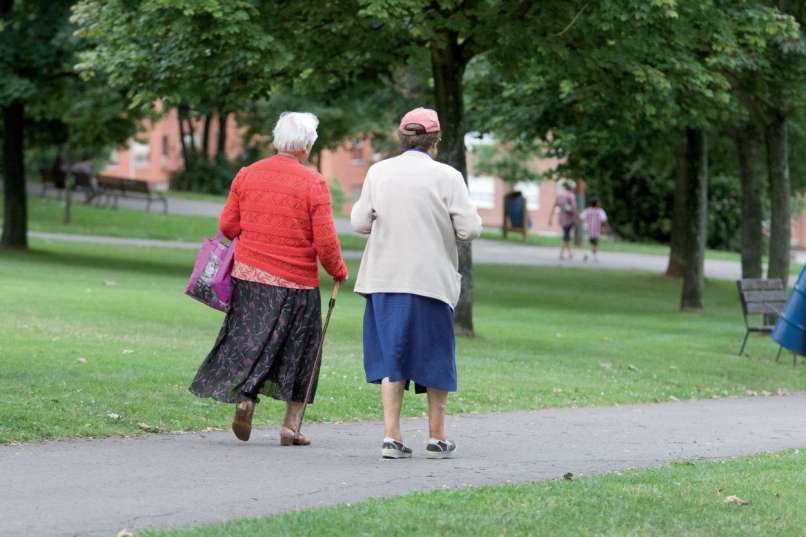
column 566, row 204
column 595, row 220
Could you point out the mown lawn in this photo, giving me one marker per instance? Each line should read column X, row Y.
column 682, row 499
column 607, row 244
column 101, row 341
column 48, row 215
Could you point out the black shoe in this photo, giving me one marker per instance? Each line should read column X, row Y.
column 440, row 449
column 392, row 449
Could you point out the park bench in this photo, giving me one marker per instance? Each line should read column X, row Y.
column 52, row 178
column 57, row 178
column 764, row 299
column 116, row 187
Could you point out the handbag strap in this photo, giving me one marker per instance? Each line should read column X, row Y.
column 220, row 238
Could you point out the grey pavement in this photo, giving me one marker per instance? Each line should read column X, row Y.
column 484, row 252
column 500, row 252
column 97, row 487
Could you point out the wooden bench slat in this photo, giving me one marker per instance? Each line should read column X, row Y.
column 765, row 307
column 764, row 296
column 760, row 285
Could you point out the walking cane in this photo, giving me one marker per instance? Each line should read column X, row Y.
column 318, row 362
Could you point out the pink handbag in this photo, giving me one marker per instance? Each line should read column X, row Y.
column 211, row 280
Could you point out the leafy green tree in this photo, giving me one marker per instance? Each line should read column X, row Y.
column 206, row 59
column 512, row 164
column 34, row 54
column 45, row 103
column 624, row 72
column 766, row 61
column 453, row 33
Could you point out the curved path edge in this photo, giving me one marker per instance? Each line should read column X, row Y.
column 97, row 487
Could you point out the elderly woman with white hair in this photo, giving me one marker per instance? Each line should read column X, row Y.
column 280, row 210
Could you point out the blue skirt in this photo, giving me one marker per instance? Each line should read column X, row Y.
column 409, row 338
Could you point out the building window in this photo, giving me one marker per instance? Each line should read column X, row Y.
column 165, row 148
column 141, row 154
column 482, row 191
column 530, row 191
column 357, row 151
column 192, row 140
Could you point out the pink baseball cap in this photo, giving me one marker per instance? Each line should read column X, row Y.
column 420, row 121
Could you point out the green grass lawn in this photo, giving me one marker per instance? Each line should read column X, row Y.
column 196, row 196
column 97, row 341
column 47, row 215
column 682, row 499
column 608, row 244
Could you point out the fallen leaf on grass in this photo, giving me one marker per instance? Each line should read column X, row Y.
column 110, row 283
column 568, row 476
column 148, row 428
column 632, row 368
column 673, row 398
column 735, row 500
column 127, row 351
column 606, row 365
column 112, row 416
column 82, row 360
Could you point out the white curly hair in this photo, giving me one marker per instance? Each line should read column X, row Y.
column 295, row 131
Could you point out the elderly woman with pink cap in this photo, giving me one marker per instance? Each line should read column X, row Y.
column 414, row 209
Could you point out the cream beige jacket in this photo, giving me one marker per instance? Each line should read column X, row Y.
column 414, row 210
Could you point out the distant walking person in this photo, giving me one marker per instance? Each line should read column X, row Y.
column 595, row 220
column 281, row 211
column 414, row 210
column 566, row 204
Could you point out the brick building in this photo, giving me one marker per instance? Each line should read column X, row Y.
column 156, row 152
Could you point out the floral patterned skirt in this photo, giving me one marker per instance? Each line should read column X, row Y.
column 267, row 345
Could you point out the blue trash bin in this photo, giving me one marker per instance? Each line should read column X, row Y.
column 790, row 329
column 516, row 208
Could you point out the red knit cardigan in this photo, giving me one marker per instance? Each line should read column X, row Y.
column 281, row 212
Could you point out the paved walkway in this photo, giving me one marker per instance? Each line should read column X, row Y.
column 484, row 252
column 95, row 488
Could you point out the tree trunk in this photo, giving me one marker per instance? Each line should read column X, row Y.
column 677, row 263
column 221, row 148
column 15, row 199
column 696, row 213
column 448, row 67
column 208, row 120
column 69, row 184
column 747, row 144
column 778, row 176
